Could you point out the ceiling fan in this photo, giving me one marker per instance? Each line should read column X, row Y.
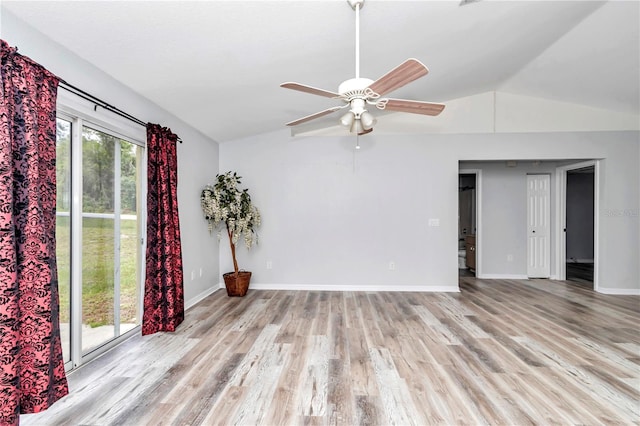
column 357, row 93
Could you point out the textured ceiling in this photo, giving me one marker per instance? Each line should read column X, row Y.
column 218, row 64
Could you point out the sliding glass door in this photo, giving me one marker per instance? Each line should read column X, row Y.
column 99, row 235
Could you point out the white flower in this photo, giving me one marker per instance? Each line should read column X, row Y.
column 226, row 206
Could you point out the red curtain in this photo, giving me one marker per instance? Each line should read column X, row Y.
column 32, row 373
column 163, row 291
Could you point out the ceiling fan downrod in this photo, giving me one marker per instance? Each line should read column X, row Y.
column 357, row 5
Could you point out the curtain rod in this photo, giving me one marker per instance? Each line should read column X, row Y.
column 99, row 102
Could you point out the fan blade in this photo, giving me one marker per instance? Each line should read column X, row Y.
column 414, row 107
column 405, row 73
column 313, row 116
column 308, row 89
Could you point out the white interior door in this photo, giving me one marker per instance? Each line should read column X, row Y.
column 538, row 226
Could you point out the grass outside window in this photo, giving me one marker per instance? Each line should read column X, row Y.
column 97, row 271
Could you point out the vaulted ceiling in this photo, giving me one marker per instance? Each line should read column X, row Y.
column 217, row 65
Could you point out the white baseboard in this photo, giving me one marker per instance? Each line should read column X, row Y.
column 352, row 287
column 191, row 302
column 502, row 277
column 620, row 291
column 378, row 287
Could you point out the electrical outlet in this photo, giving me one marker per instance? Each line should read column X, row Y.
column 193, row 275
column 269, row 264
column 392, row 266
column 201, row 271
column 509, row 258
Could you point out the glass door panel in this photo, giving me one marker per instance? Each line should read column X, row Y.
column 63, row 231
column 130, row 235
column 98, row 241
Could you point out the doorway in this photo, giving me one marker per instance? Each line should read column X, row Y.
column 99, row 229
column 468, row 222
column 579, row 224
column 577, row 213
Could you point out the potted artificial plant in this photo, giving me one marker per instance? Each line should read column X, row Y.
column 223, row 203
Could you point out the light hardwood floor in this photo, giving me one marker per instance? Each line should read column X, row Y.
column 499, row 352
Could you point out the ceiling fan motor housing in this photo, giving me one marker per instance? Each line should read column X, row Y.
column 353, row 85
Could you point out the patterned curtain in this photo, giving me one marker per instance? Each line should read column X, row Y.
column 163, row 290
column 32, row 373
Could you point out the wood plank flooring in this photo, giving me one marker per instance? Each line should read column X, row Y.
column 509, row 352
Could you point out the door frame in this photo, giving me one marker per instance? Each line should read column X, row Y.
column 478, row 174
column 81, row 114
column 561, row 218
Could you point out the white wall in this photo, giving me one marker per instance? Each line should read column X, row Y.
column 518, row 113
column 333, row 218
column 197, row 156
column 494, row 112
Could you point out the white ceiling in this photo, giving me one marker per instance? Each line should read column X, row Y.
column 217, row 65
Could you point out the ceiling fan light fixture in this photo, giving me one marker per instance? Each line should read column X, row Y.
column 347, row 119
column 356, row 127
column 367, row 120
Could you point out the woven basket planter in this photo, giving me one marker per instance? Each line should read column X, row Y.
column 237, row 287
